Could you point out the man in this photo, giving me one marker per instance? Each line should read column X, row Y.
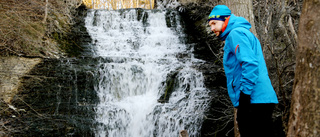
column 249, row 86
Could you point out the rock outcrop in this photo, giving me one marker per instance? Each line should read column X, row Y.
column 12, row 69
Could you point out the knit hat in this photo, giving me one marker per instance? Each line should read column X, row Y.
column 219, row 12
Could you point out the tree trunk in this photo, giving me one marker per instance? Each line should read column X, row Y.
column 45, row 13
column 305, row 109
column 244, row 9
column 236, row 127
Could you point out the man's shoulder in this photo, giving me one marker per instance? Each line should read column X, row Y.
column 240, row 30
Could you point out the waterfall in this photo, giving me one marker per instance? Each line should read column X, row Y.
column 138, row 51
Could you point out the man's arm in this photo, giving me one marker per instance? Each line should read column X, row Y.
column 247, row 59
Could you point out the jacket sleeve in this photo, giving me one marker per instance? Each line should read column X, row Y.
column 244, row 51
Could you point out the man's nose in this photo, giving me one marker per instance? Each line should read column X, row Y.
column 212, row 28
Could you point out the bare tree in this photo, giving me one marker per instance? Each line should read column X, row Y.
column 276, row 24
column 244, row 9
column 304, row 117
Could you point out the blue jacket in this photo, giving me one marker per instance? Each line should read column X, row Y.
column 244, row 64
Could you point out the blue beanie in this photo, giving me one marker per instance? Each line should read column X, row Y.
column 219, row 12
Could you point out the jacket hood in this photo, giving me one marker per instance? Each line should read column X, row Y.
column 235, row 22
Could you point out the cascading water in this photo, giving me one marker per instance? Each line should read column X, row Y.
column 138, row 51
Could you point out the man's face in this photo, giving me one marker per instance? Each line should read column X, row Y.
column 216, row 26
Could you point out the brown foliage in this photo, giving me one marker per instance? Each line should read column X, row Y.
column 19, row 26
column 26, row 25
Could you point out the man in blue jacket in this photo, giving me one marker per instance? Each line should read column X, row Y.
column 249, row 86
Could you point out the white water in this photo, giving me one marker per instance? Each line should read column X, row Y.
column 136, row 58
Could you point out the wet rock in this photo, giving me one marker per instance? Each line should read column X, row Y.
column 169, row 88
column 58, row 99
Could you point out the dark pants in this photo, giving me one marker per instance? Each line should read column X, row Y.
column 256, row 120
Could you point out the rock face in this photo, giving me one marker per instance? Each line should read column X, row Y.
column 56, row 98
column 74, row 42
column 219, row 117
column 12, row 69
column 30, row 90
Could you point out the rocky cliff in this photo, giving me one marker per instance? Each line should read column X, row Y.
column 55, row 29
column 32, row 31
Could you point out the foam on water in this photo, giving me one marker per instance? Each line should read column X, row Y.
column 139, row 52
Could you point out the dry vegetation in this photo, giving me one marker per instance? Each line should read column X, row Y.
column 27, row 26
column 277, row 27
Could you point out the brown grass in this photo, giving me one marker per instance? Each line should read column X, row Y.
column 26, row 26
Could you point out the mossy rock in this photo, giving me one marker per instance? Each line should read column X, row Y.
column 170, row 86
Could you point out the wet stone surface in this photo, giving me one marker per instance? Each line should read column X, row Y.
column 57, row 98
